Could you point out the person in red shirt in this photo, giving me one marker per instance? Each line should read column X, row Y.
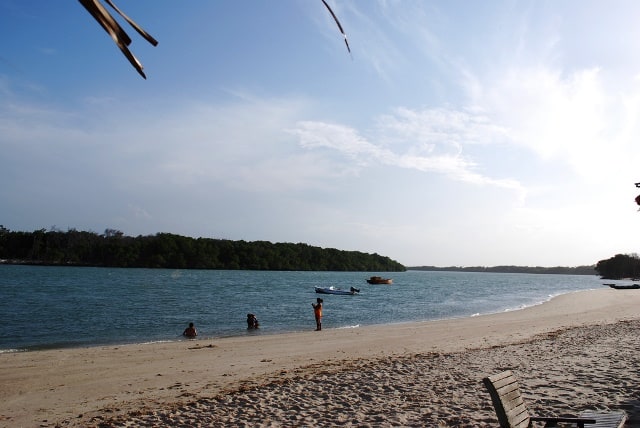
column 317, row 311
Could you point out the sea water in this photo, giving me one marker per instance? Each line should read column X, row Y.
column 45, row 307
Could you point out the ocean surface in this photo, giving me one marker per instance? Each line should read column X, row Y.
column 57, row 307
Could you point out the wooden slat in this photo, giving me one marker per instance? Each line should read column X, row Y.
column 512, row 399
column 502, row 379
column 507, row 389
column 606, row 420
column 519, row 419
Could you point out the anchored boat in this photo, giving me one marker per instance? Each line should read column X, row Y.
column 379, row 280
column 624, row 286
column 334, row 290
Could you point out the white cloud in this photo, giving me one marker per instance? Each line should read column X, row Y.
column 577, row 118
column 430, row 141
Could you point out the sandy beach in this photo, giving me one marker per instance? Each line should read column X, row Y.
column 577, row 352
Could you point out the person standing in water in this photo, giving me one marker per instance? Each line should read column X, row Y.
column 317, row 311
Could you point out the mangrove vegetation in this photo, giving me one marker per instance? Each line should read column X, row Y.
column 166, row 250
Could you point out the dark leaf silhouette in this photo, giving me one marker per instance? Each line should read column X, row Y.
column 335, row 18
column 122, row 39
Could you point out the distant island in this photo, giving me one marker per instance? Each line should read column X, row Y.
column 620, row 266
column 579, row 270
column 165, row 250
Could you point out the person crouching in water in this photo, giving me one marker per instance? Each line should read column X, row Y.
column 317, row 311
column 190, row 331
column 252, row 322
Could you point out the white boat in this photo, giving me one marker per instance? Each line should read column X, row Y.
column 334, row 290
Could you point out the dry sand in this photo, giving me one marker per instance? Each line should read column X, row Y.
column 577, row 352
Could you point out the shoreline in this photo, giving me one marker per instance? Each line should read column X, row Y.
column 80, row 386
column 53, row 347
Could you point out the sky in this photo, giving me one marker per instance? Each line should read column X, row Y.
column 456, row 133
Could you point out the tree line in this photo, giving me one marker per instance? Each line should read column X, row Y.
column 578, row 270
column 166, row 250
column 619, row 266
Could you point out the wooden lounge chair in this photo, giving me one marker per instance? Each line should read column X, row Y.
column 512, row 411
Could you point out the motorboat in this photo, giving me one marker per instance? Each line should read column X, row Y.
column 624, row 286
column 379, row 280
column 334, row 290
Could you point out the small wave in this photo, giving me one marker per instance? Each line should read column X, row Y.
column 151, row 342
column 520, row 307
column 349, row 326
column 11, row 351
column 540, row 302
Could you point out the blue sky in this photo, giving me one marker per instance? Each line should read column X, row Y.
column 457, row 132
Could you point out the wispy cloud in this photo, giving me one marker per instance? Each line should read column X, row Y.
column 431, row 141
